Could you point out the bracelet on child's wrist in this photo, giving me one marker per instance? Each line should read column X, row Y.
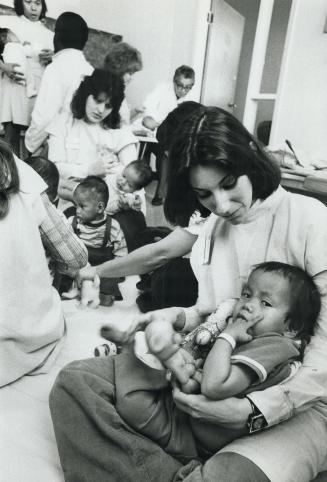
column 228, row 338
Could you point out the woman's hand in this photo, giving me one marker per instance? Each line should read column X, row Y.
column 231, row 412
column 10, row 69
column 86, row 273
column 150, row 123
column 100, row 168
column 174, row 316
column 45, row 56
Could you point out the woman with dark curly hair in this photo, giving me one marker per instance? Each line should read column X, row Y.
column 123, row 60
column 88, row 141
column 18, row 92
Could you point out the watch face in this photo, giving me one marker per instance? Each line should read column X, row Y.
column 256, row 423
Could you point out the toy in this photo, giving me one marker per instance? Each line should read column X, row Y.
column 89, row 294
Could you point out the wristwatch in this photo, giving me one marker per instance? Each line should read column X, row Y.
column 256, row 420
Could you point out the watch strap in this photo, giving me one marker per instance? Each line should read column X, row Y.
column 256, row 420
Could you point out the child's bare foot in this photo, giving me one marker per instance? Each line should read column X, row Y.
column 164, row 343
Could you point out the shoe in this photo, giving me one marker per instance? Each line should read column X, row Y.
column 144, row 284
column 107, row 349
column 157, row 201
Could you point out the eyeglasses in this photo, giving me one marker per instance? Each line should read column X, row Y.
column 180, row 86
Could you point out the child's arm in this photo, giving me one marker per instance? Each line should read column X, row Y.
column 220, row 378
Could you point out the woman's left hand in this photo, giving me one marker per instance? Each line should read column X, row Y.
column 231, row 412
column 45, row 56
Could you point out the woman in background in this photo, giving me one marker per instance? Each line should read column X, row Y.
column 90, row 142
column 18, row 95
column 217, row 164
column 32, row 324
column 123, row 60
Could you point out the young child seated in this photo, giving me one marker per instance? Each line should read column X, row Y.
column 125, row 186
column 269, row 328
column 100, row 233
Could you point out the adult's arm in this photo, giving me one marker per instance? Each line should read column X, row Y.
column 127, row 154
column 145, row 259
column 48, row 104
column 65, row 248
column 10, row 71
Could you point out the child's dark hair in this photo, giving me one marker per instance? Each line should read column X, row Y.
column 96, row 186
column 49, row 173
column 305, row 298
column 143, row 171
column 98, row 83
column 9, row 178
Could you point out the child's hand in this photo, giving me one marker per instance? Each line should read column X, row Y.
column 123, row 204
column 239, row 330
column 136, row 203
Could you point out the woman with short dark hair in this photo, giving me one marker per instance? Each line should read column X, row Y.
column 216, row 164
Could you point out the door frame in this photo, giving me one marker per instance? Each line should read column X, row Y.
column 253, row 94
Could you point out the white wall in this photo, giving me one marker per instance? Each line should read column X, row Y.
column 163, row 31
column 301, row 109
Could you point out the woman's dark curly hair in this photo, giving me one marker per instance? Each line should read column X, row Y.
column 19, row 8
column 9, row 179
column 122, row 58
column 100, row 82
column 215, row 138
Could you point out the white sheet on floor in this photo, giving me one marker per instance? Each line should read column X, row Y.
column 28, row 450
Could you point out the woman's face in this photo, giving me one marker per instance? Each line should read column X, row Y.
column 97, row 108
column 32, row 9
column 222, row 192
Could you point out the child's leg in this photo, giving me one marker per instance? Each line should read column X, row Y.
column 144, row 400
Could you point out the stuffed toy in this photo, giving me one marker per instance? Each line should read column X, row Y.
column 88, row 294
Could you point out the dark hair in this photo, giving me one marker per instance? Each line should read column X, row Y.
column 168, row 127
column 305, row 299
column 71, row 31
column 97, row 187
column 212, row 137
column 143, row 171
column 49, row 173
column 100, row 82
column 184, row 71
column 122, row 58
column 19, row 8
column 9, row 178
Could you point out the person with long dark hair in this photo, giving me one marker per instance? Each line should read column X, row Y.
column 32, row 325
column 215, row 165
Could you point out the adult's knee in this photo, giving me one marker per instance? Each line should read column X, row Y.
column 229, row 466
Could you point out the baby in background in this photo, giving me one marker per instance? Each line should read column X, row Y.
column 267, row 332
column 125, row 186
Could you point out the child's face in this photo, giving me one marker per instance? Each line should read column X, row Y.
column 266, row 297
column 97, row 108
column 127, row 180
column 32, row 9
column 87, row 207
